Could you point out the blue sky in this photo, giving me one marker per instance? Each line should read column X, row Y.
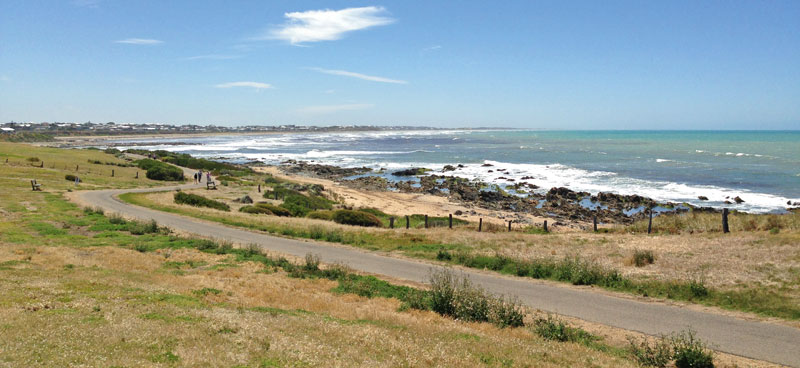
column 527, row 64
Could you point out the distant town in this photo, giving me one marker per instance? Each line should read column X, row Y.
column 112, row 128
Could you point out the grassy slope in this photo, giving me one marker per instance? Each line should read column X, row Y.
column 78, row 290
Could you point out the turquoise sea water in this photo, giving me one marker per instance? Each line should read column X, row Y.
column 762, row 167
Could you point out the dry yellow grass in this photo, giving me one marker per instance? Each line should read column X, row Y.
column 117, row 307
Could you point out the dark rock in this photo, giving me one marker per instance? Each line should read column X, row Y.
column 702, row 198
column 738, row 199
column 460, row 166
column 491, row 171
column 447, row 168
column 487, row 165
column 458, row 213
column 728, row 202
column 246, row 199
column 527, row 178
column 411, row 172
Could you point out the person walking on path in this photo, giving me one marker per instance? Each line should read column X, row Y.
column 208, row 176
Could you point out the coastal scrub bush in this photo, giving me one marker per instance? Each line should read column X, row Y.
column 200, row 201
column 277, row 211
column 256, row 210
column 165, row 173
column 70, row 177
column 32, row 159
column 357, row 218
column 321, row 215
column 157, row 170
column 141, row 228
column 300, row 205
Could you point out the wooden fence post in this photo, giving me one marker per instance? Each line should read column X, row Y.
column 426, row 221
column 594, row 222
column 725, row 229
column 259, row 188
column 451, row 221
column 408, row 222
column 509, row 225
column 76, row 167
column 137, row 175
column 650, row 221
column 42, row 165
column 391, row 222
column 480, row 224
column 545, row 226
column 112, row 173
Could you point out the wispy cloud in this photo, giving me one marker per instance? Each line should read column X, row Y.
column 371, row 78
column 327, row 25
column 214, row 57
column 4, row 78
column 140, row 41
column 329, row 109
column 257, row 85
column 432, row 48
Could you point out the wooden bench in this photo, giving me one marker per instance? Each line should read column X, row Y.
column 35, row 186
column 211, row 185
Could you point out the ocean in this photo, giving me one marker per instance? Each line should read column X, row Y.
column 761, row 167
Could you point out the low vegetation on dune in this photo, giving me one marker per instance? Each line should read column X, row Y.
column 157, row 170
column 199, row 201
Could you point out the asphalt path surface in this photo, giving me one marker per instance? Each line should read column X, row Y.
column 752, row 339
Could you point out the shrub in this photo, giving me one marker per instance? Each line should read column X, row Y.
column 165, row 173
column 200, row 201
column 690, row 352
column 70, row 177
column 656, row 354
column 300, row 205
column 32, row 159
column 321, row 215
column 277, row 211
column 684, row 348
column 357, row 218
column 457, row 297
column 643, row 258
column 256, row 210
column 157, row 170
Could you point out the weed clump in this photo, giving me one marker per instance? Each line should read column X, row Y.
column 554, row 329
column 457, row 297
column 683, row 348
column 643, row 258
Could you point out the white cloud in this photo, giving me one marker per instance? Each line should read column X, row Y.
column 371, row 78
column 140, row 41
column 431, row 48
column 257, row 85
column 214, row 57
column 329, row 109
column 327, row 25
